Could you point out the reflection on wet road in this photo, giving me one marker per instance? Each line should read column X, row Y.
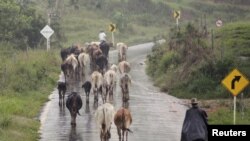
column 156, row 116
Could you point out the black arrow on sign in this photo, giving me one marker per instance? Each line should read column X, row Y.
column 236, row 78
column 177, row 14
column 112, row 27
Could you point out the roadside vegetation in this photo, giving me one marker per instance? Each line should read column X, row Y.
column 26, row 80
column 186, row 66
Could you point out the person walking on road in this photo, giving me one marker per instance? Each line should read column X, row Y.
column 195, row 124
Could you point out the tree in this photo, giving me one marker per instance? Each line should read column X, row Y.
column 19, row 25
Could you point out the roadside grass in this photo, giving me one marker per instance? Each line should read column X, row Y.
column 200, row 73
column 26, row 80
column 221, row 111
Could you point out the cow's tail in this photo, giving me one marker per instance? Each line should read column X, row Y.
column 78, row 113
column 129, row 130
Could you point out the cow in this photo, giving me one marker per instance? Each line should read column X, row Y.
column 94, row 52
column 122, row 51
column 124, row 67
column 125, row 82
column 123, row 120
column 74, row 49
column 104, row 117
column 74, row 104
column 97, row 84
column 70, row 69
column 87, row 87
column 84, row 65
column 110, row 83
column 114, row 68
column 61, row 86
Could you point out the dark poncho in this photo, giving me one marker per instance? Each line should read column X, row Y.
column 194, row 125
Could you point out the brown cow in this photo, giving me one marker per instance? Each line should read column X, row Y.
column 125, row 82
column 123, row 120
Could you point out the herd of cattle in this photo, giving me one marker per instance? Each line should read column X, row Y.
column 88, row 67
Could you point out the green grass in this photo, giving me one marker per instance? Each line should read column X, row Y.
column 225, row 116
column 26, row 80
column 199, row 74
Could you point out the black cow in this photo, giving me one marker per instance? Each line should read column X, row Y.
column 74, row 104
column 87, row 88
column 61, row 86
column 67, row 51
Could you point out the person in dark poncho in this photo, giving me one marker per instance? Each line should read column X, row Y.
column 195, row 124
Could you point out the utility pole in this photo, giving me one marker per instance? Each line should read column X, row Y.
column 212, row 38
column 48, row 39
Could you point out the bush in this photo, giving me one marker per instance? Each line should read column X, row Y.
column 201, row 84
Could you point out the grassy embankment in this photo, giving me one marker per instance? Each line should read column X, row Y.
column 26, row 80
column 202, row 78
column 139, row 22
column 187, row 66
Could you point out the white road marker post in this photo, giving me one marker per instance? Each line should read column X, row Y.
column 234, row 109
column 47, row 32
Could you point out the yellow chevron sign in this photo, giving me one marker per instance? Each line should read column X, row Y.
column 177, row 14
column 112, row 27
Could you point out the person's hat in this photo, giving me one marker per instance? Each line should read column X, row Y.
column 194, row 101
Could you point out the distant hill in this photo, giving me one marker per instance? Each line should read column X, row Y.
column 138, row 20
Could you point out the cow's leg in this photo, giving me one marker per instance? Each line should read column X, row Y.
column 108, row 134
column 111, row 94
column 123, row 131
column 119, row 133
column 101, row 136
column 73, row 119
column 60, row 96
column 95, row 96
column 126, row 135
column 63, row 95
column 87, row 97
column 64, row 91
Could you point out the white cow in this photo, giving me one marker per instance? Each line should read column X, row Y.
column 122, row 48
column 124, row 67
column 104, row 117
column 84, row 66
column 114, row 67
column 97, row 83
column 110, row 83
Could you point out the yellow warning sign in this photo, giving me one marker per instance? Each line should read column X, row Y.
column 112, row 27
column 177, row 14
column 235, row 82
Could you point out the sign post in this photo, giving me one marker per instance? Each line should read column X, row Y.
column 235, row 82
column 112, row 29
column 177, row 16
column 47, row 32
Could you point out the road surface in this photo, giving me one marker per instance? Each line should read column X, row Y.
column 156, row 116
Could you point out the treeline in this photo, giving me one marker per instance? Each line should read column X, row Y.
column 242, row 2
column 20, row 25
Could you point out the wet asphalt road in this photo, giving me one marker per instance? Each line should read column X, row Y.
column 156, row 116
